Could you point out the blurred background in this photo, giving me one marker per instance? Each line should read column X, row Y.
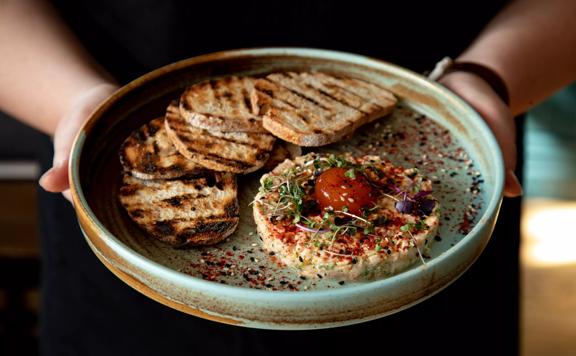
column 548, row 254
column 548, row 251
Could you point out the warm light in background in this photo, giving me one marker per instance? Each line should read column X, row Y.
column 549, row 232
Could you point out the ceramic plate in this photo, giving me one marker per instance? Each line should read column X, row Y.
column 236, row 282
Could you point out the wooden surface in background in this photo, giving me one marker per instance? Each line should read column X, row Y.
column 19, row 267
column 549, row 311
column 18, row 219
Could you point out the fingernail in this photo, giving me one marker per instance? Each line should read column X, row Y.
column 513, row 186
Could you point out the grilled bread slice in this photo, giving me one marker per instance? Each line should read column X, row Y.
column 148, row 153
column 236, row 152
column 184, row 212
column 227, row 104
column 315, row 109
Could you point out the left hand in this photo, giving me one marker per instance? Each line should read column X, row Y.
column 482, row 97
column 56, row 178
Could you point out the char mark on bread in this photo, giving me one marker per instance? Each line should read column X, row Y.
column 148, row 153
column 189, row 211
column 315, row 109
column 226, row 104
column 236, row 152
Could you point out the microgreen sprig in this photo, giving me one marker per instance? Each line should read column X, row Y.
column 407, row 228
column 351, row 173
column 417, row 204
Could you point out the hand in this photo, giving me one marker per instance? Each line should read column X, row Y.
column 56, row 178
column 481, row 97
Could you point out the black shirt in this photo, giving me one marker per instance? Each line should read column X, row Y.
column 132, row 37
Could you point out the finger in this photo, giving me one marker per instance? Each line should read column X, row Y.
column 504, row 131
column 502, row 125
column 66, row 133
column 496, row 114
column 68, row 195
column 512, row 187
column 55, row 180
column 505, row 135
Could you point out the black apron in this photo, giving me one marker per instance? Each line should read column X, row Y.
column 86, row 310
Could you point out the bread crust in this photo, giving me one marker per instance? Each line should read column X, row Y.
column 184, row 212
column 148, row 153
column 316, row 109
column 236, row 152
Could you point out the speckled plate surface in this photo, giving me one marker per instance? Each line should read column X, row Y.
column 236, row 282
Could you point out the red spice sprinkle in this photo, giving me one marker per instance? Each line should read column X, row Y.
column 443, row 159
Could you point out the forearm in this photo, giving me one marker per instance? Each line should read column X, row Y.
column 531, row 44
column 43, row 67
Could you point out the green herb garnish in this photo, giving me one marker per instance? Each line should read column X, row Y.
column 337, row 161
column 421, row 225
column 351, row 173
column 369, row 229
column 267, row 184
column 406, row 227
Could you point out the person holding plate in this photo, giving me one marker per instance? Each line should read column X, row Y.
column 62, row 58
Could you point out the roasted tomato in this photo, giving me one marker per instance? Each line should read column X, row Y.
column 340, row 188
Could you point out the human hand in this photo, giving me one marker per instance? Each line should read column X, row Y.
column 482, row 97
column 56, row 178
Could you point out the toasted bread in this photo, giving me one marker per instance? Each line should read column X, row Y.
column 237, row 152
column 315, row 109
column 227, row 104
column 148, row 153
column 183, row 212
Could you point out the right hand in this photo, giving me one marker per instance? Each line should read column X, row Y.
column 482, row 97
column 56, row 178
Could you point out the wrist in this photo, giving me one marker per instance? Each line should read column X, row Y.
column 96, row 89
column 476, row 91
column 87, row 98
column 447, row 66
column 77, row 112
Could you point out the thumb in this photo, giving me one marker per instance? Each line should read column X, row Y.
column 55, row 179
column 512, row 187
